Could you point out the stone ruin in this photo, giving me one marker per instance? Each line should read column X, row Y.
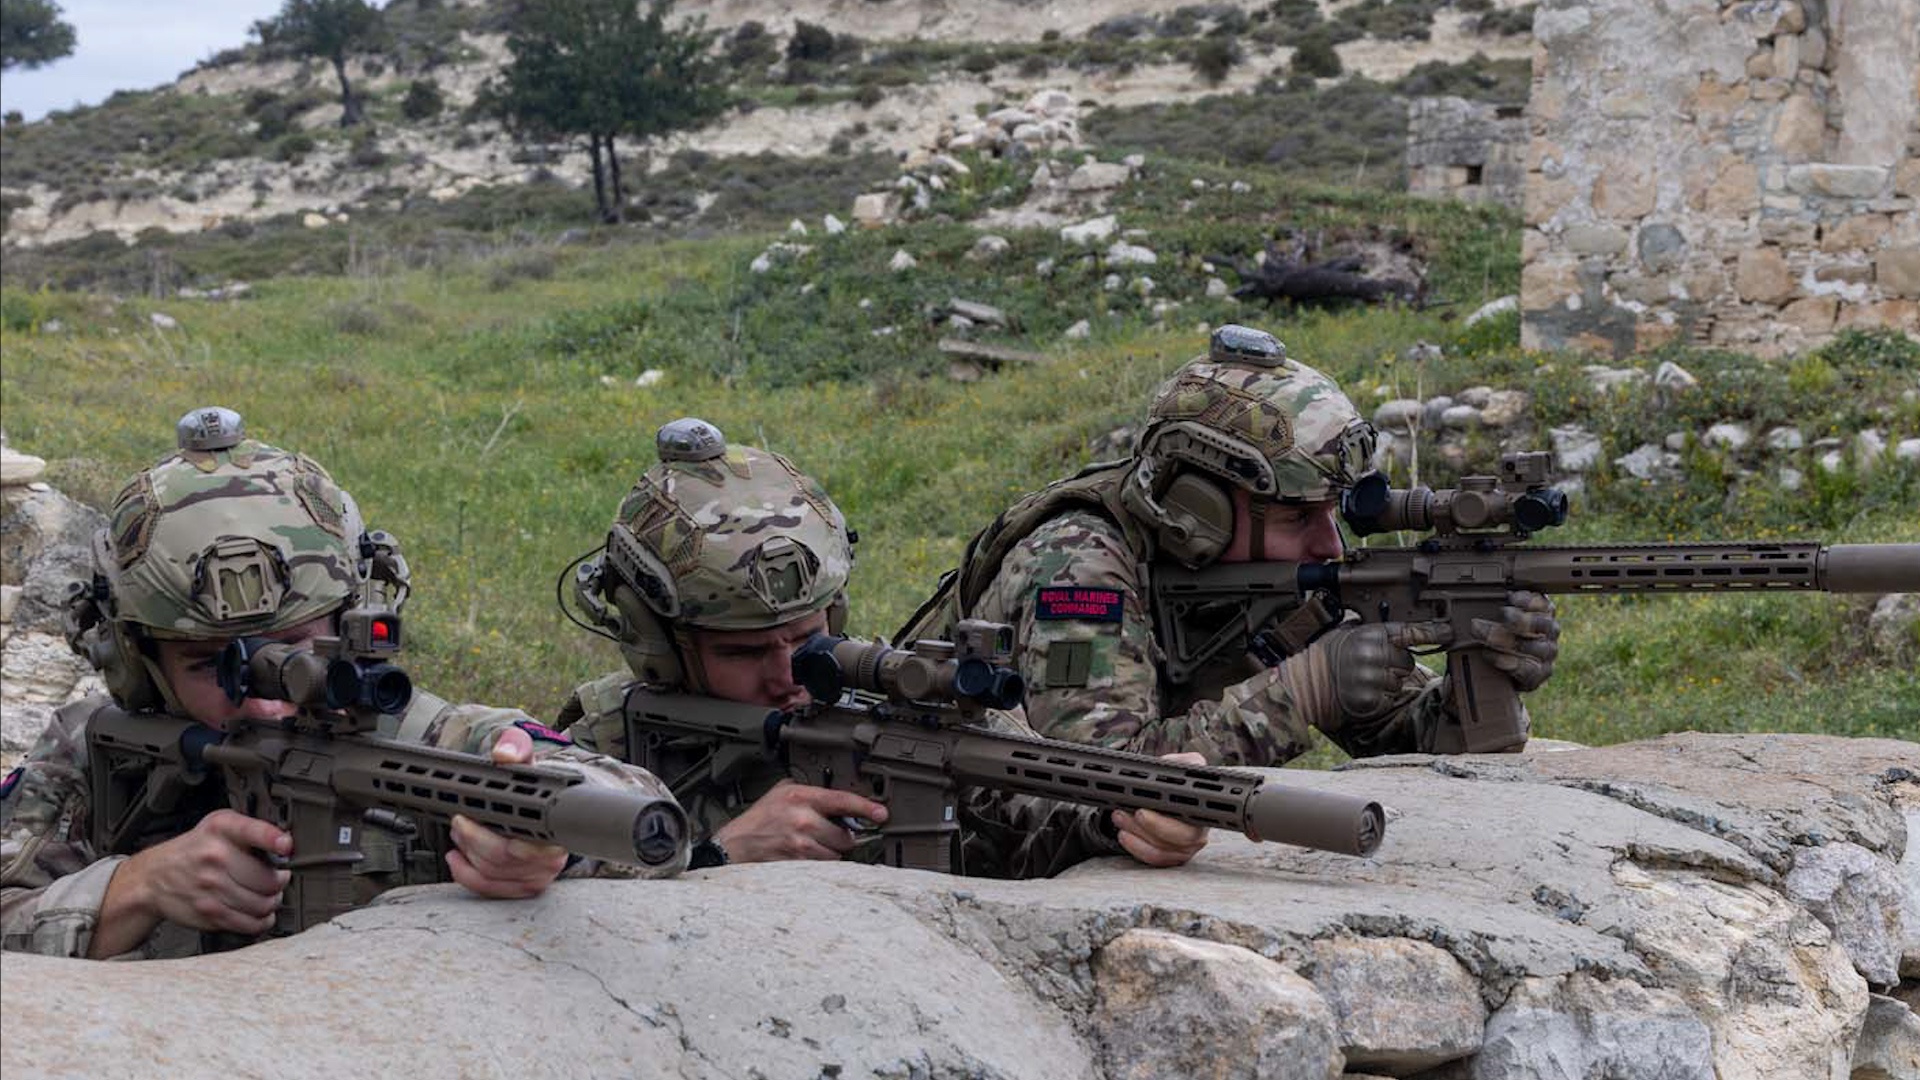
column 1738, row 173
column 1473, row 151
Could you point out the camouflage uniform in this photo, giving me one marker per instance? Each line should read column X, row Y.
column 1071, row 569
column 733, row 538
column 224, row 538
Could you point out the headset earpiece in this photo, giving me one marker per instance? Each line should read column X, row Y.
column 1197, row 521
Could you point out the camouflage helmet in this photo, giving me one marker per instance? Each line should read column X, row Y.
column 715, row 537
column 224, row 537
column 1246, row 414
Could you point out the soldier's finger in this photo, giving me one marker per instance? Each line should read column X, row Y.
column 1496, row 636
column 1147, row 853
column 480, row 883
column 513, row 747
column 526, row 861
column 249, row 872
column 1160, row 830
column 1420, row 634
column 478, row 843
column 833, row 804
column 1527, row 600
column 242, row 831
column 829, row 835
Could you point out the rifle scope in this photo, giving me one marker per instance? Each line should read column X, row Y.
column 264, row 668
column 829, row 666
column 1518, row 500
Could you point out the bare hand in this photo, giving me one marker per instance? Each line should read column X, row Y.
column 498, row 866
column 796, row 821
column 213, row 877
column 1156, row 839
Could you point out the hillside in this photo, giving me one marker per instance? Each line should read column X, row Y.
column 251, row 138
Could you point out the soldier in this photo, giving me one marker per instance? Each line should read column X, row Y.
column 223, row 538
column 1243, row 458
column 722, row 561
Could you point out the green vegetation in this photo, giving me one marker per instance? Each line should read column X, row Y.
column 32, row 34
column 484, row 408
column 329, row 30
column 606, row 69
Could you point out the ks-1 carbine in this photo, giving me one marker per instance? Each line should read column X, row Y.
column 904, row 727
column 1464, row 570
column 325, row 776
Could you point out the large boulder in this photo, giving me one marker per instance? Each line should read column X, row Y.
column 1618, row 911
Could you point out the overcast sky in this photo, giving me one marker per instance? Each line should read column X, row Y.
column 130, row 45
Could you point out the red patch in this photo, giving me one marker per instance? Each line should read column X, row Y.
column 542, row 732
column 1074, row 602
column 6, row 786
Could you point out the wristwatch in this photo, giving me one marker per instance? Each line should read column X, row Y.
column 707, row 854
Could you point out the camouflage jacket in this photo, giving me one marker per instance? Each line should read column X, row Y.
column 1002, row 835
column 1093, row 671
column 53, row 883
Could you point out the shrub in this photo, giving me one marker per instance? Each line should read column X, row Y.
column 1315, row 56
column 810, row 42
column 1214, row 58
column 423, row 101
column 750, row 47
column 293, row 148
column 868, row 95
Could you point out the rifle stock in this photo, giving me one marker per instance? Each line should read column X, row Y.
column 915, row 756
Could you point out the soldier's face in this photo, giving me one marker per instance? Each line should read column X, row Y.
column 1295, row 532
column 755, row 667
column 189, row 668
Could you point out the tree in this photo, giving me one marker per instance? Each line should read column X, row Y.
column 603, row 69
column 32, row 34
column 329, row 30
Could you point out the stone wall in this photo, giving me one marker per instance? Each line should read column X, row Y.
column 1468, row 150
column 1738, row 173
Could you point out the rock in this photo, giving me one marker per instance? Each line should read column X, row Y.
column 1604, row 379
column 1079, row 331
column 833, row 225
column 1673, row 378
column 1142, row 286
column 1596, row 239
column 650, row 377
column 796, row 227
column 1239, row 187
column 902, row 261
column 1011, row 118
column 1125, row 254
column 1582, row 1027
column 1460, row 418
column 1197, row 184
column 989, row 248
column 950, row 165
column 1435, row 408
column 1357, row 976
column 1476, row 396
column 1727, row 436
column 45, row 544
column 1661, row 247
column 1868, row 446
column 1171, row 1006
column 1856, row 894
column 1050, row 103
column 1889, row 1046
column 162, row 321
column 18, row 469
column 9, row 596
column 1676, row 440
column 876, row 209
column 314, row 221
column 1839, row 181
column 1216, row 289
column 1791, row 479
column 1421, row 352
column 1091, row 231
column 1649, row 462
column 1574, row 449
column 977, row 312
column 1761, row 275
column 761, row 263
column 1505, row 408
column 959, row 323
column 1110, row 282
column 1097, row 176
column 1897, row 271
column 1400, row 414
column 1831, row 461
column 1491, row 308
column 1785, row 438
column 38, row 673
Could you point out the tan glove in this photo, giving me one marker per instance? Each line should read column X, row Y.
column 1349, row 680
column 1526, row 640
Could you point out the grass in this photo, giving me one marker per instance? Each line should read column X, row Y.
column 482, row 407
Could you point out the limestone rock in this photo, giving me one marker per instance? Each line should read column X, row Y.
column 1359, row 977
column 1170, row 1006
column 1097, row 176
column 1582, row 1027
column 1727, row 436
column 1506, row 408
column 18, row 469
column 1079, row 331
column 1649, row 462
column 1399, row 414
column 989, row 248
column 45, row 545
column 1857, row 895
column 901, row 261
column 1673, row 379
column 1761, row 275
column 1785, row 438
column 1574, row 449
column 1124, row 254
column 876, row 208
column 1091, row 231
column 1894, row 629
column 1491, row 308
column 1460, row 418
column 1897, row 271
column 1889, row 1047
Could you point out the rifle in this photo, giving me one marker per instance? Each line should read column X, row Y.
column 904, row 728
column 324, row 774
column 1464, row 570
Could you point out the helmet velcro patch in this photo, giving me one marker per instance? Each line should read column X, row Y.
column 133, row 519
column 321, row 499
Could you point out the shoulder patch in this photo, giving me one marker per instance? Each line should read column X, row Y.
column 6, row 786
column 543, row 733
column 1054, row 602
